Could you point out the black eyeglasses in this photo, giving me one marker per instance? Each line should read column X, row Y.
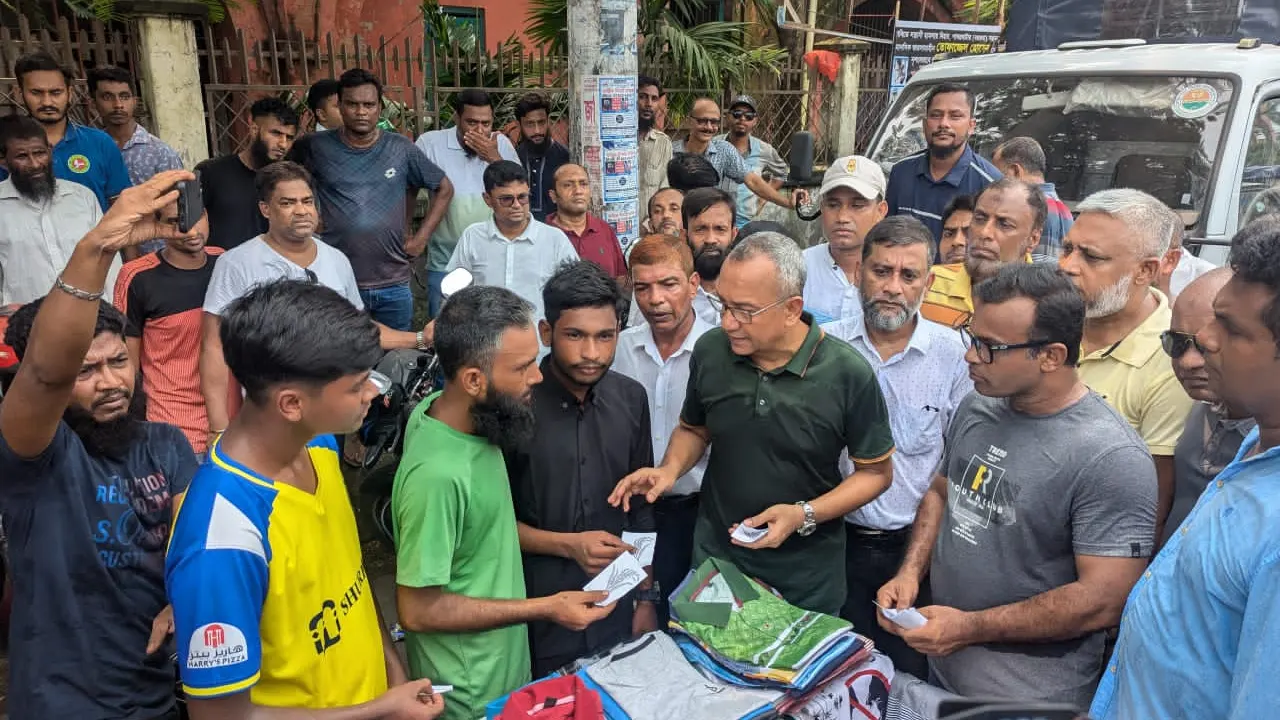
column 1176, row 344
column 987, row 350
column 311, row 276
column 742, row 115
column 708, row 121
column 507, row 201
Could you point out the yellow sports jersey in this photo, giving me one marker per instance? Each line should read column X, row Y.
column 269, row 590
column 949, row 299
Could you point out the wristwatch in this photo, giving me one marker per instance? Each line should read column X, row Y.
column 422, row 340
column 810, row 520
column 652, row 595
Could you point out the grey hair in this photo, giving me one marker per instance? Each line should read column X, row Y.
column 470, row 326
column 782, row 251
column 1145, row 216
column 1175, row 229
column 1023, row 151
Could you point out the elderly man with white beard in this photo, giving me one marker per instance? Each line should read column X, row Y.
column 1112, row 254
column 922, row 373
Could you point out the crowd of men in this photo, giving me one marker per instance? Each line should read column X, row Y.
column 962, row 401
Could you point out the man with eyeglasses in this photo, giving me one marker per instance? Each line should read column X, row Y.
column 725, row 158
column 1112, row 254
column 1042, row 513
column 777, row 401
column 288, row 250
column 1214, row 431
column 759, row 156
column 511, row 249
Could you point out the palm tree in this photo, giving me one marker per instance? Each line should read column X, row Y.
column 687, row 51
column 106, row 11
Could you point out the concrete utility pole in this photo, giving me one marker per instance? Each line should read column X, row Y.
column 602, row 102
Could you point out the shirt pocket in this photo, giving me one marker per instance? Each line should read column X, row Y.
column 918, row 432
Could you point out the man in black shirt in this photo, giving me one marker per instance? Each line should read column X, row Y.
column 540, row 155
column 592, row 430
column 230, row 196
column 87, row 489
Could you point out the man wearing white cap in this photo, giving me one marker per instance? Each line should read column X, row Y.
column 852, row 201
column 760, row 157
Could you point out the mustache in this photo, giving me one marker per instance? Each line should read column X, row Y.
column 109, row 397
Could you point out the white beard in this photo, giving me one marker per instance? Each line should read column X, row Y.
column 1111, row 300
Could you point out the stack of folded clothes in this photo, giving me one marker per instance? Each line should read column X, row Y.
column 739, row 631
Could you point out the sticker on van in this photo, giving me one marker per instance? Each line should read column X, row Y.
column 1195, row 101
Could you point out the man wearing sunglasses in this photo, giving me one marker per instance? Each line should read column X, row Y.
column 760, row 157
column 1214, row 431
column 1041, row 516
column 511, row 249
column 725, row 158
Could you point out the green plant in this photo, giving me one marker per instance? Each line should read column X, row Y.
column 989, row 12
column 106, row 10
column 676, row 45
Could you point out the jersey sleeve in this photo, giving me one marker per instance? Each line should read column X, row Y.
column 422, row 172
column 428, row 514
column 216, row 577
column 1113, row 513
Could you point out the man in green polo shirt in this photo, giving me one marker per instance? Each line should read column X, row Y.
column 778, row 402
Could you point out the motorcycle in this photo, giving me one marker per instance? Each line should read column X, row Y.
column 404, row 379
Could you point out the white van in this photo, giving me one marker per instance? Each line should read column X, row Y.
column 1197, row 126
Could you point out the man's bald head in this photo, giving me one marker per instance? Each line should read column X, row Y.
column 1192, row 311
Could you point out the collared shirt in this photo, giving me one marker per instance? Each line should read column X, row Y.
column 655, row 153
column 1189, row 268
column 1208, row 444
column 36, row 240
column 597, row 243
column 949, row 299
column 760, row 156
column 561, row 483
column 542, row 172
column 776, row 438
column 522, row 265
column 922, row 386
column 145, row 155
column 1056, row 224
column 1199, row 630
column 726, row 160
column 702, row 308
column 828, row 294
column 1136, row 378
column 665, row 381
column 466, row 173
column 89, row 157
column 913, row 191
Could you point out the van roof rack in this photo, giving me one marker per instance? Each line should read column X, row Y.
column 1091, row 44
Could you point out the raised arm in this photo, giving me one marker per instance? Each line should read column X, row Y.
column 64, row 327
column 215, row 378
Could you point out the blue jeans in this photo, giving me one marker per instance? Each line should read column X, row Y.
column 434, row 298
column 392, row 306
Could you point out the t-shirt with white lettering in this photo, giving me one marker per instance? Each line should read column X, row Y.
column 1026, row 495
column 87, row 538
column 255, row 263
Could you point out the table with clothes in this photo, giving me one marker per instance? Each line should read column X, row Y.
column 735, row 650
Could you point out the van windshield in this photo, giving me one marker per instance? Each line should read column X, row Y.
column 1157, row 134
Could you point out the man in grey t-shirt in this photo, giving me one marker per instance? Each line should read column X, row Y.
column 364, row 180
column 1043, row 512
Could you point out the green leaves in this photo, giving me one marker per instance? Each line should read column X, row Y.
column 106, row 11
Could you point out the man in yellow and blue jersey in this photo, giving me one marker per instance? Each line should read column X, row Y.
column 272, row 606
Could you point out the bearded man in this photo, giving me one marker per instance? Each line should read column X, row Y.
column 1112, row 255
column 230, row 196
column 42, row 217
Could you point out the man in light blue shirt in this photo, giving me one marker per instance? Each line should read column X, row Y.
column 923, row 376
column 1201, row 627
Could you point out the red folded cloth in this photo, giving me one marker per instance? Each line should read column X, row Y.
column 561, row 698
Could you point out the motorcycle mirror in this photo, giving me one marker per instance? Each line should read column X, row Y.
column 455, row 281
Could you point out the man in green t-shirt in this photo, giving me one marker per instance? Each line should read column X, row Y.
column 460, row 588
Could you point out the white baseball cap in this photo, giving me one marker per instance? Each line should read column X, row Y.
column 860, row 174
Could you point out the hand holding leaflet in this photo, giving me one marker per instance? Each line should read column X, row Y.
column 748, row 534
column 908, row 618
column 644, row 543
column 620, row 578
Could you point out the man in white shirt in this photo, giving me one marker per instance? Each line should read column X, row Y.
column 511, row 249
column 923, row 376
column 656, row 354
column 42, row 218
column 463, row 151
column 852, row 201
column 288, row 250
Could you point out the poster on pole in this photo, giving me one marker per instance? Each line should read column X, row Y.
column 915, row 44
column 611, row 150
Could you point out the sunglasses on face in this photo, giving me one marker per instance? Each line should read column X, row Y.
column 743, row 115
column 507, row 201
column 1176, row 344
